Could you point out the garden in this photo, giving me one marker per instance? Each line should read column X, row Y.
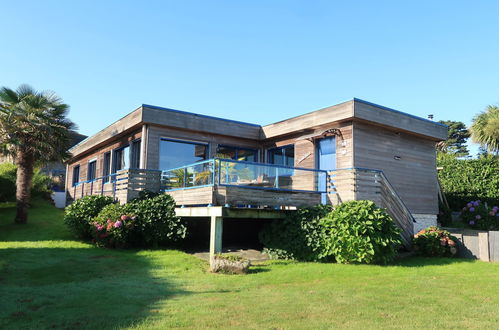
column 49, row 279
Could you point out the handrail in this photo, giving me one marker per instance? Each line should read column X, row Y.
column 220, row 165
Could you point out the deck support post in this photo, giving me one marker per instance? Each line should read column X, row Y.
column 215, row 236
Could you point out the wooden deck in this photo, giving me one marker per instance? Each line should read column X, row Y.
column 234, row 196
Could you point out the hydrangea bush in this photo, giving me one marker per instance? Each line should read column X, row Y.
column 112, row 227
column 478, row 215
column 435, row 242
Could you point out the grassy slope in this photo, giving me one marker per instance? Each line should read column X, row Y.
column 49, row 280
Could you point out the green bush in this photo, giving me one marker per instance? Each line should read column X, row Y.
column 478, row 215
column 434, row 242
column 79, row 215
column 113, row 227
column 39, row 188
column 296, row 237
column 156, row 222
column 463, row 180
column 359, row 232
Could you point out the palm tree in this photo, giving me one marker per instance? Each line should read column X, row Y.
column 33, row 130
column 485, row 129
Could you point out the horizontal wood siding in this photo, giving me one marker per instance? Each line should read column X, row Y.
column 99, row 154
column 244, row 196
column 314, row 119
column 399, row 121
column 413, row 176
column 194, row 196
column 117, row 128
column 198, row 123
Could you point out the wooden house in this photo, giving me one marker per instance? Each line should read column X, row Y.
column 216, row 167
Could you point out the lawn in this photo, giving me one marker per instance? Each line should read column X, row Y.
column 50, row 280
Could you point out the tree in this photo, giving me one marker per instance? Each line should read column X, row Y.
column 33, row 130
column 457, row 137
column 485, row 129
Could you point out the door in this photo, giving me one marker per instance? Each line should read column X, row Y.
column 326, row 160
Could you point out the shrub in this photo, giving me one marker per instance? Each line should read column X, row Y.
column 113, row 227
column 359, row 232
column 79, row 215
column 156, row 222
column 296, row 237
column 478, row 215
column 434, row 242
column 39, row 188
column 463, row 180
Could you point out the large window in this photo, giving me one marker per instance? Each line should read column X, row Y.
column 106, row 166
column 121, row 159
column 282, row 156
column 76, row 175
column 92, row 169
column 236, row 153
column 135, row 161
column 174, row 153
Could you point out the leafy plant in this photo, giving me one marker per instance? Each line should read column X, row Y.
column 297, row 237
column 79, row 215
column 359, row 232
column 112, row 227
column 463, row 180
column 478, row 215
column 434, row 242
column 156, row 222
column 39, row 185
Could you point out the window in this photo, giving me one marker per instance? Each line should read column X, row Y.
column 76, row 175
column 135, row 160
column 121, row 159
column 92, row 169
column 174, row 153
column 236, row 153
column 106, row 166
column 282, row 156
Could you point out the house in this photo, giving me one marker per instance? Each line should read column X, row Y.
column 218, row 167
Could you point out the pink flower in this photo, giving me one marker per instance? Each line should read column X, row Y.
column 478, row 217
column 125, row 217
column 118, row 224
column 492, row 213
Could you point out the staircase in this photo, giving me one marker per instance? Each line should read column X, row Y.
column 369, row 184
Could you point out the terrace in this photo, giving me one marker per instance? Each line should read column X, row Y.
column 216, row 182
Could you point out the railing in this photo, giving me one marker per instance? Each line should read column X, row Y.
column 119, row 185
column 228, row 172
column 371, row 184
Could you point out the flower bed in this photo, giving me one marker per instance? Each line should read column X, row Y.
column 478, row 215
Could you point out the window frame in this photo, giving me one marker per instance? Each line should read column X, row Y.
column 269, row 150
column 106, row 167
column 75, row 180
column 114, row 159
column 94, row 162
column 134, row 146
column 186, row 141
column 237, row 149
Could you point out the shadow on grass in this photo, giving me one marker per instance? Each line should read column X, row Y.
column 45, row 222
column 418, row 261
column 79, row 288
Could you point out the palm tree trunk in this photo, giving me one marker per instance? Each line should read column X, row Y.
column 24, row 177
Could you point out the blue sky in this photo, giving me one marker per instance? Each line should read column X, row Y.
column 254, row 61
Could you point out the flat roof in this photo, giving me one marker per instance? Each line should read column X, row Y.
column 348, row 110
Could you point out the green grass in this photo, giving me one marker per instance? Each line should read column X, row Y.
column 49, row 280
